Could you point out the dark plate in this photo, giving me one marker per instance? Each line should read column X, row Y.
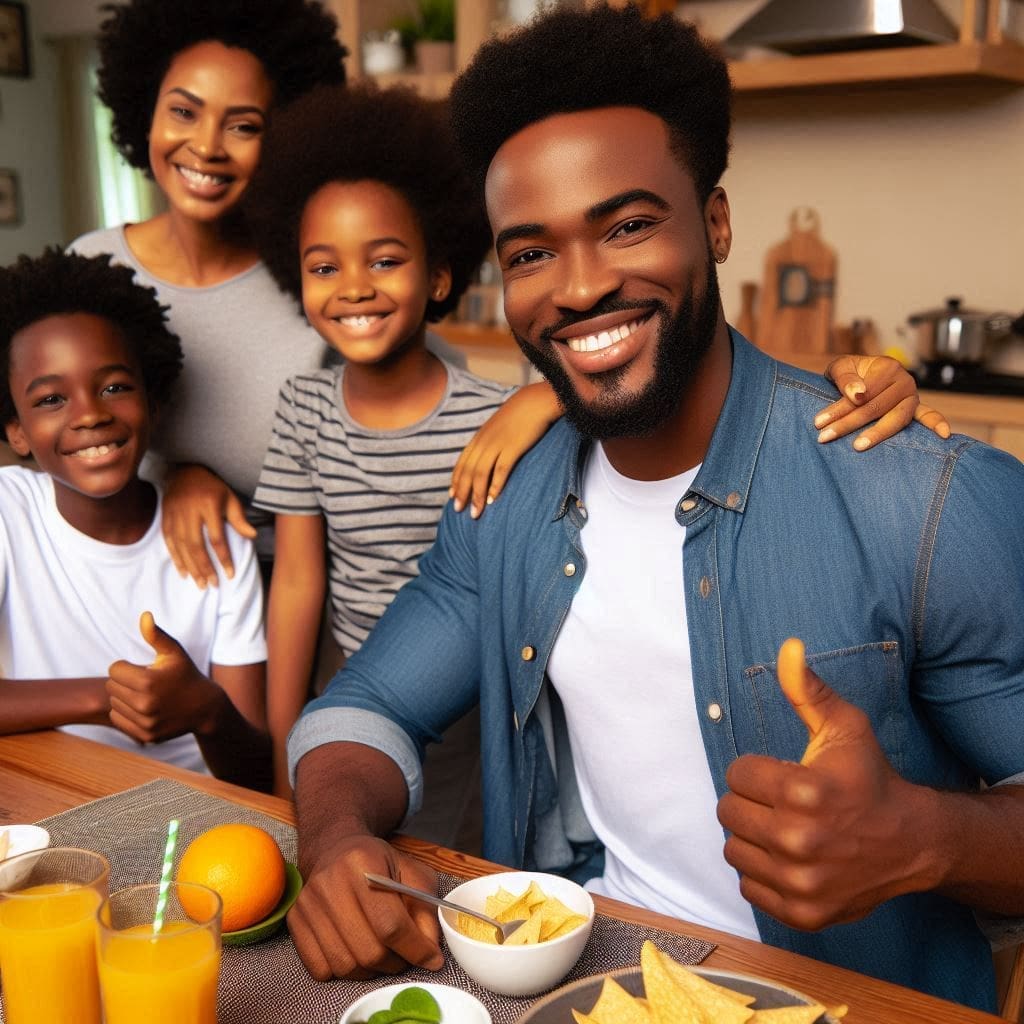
column 581, row 995
column 273, row 922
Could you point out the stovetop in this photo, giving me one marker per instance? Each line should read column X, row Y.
column 967, row 377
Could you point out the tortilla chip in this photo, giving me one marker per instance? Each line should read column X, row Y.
column 526, row 934
column 616, row 1006
column 667, row 1001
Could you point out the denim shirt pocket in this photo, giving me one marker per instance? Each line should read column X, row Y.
column 869, row 676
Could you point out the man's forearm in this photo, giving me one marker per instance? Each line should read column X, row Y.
column 344, row 789
column 979, row 848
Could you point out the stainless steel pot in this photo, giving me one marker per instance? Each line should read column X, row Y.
column 956, row 335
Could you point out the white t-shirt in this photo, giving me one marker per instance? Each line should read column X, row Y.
column 621, row 666
column 70, row 604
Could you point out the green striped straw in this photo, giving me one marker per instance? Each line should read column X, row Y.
column 165, row 875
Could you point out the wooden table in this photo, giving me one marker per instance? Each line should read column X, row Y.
column 44, row 773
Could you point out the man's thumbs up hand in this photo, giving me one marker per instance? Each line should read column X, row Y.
column 825, row 840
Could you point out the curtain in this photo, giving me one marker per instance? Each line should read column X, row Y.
column 98, row 188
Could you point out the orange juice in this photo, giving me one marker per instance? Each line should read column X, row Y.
column 48, row 955
column 170, row 978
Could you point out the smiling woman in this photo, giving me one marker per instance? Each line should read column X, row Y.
column 190, row 87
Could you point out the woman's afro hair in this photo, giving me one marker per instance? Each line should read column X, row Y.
column 294, row 40
column 363, row 133
column 569, row 61
column 59, row 282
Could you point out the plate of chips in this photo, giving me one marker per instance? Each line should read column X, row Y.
column 661, row 990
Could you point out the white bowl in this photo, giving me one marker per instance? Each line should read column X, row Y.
column 457, row 1006
column 517, row 970
column 23, row 839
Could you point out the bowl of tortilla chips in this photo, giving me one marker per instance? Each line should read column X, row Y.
column 558, row 916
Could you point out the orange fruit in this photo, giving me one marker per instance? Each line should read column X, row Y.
column 240, row 862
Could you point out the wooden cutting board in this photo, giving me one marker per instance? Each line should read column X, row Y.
column 799, row 283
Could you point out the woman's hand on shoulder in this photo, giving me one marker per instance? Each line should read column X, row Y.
column 874, row 388
column 196, row 499
column 485, row 463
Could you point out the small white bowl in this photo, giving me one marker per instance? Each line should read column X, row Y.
column 517, row 970
column 23, row 839
column 457, row 1006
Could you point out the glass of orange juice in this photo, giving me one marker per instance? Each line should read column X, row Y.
column 48, row 903
column 166, row 975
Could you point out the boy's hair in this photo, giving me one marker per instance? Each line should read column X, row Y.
column 572, row 61
column 362, row 133
column 58, row 282
column 294, row 40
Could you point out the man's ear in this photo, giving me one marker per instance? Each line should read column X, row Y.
column 440, row 283
column 16, row 438
column 718, row 224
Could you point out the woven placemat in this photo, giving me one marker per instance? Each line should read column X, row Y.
column 267, row 984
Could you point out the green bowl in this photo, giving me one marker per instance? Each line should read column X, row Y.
column 273, row 923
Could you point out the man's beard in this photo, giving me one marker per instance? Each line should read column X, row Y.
column 682, row 344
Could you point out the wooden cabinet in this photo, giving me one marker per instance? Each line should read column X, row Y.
column 982, row 53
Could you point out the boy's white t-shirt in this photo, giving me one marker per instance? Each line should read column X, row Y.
column 621, row 666
column 70, row 605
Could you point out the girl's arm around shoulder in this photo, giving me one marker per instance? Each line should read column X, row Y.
column 486, row 462
column 874, row 388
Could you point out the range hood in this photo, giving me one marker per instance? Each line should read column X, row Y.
column 820, row 26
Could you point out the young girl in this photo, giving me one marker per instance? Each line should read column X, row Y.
column 378, row 236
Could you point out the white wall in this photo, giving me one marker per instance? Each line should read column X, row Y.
column 30, row 145
column 920, row 191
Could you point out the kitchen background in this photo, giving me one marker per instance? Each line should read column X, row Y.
column 918, row 186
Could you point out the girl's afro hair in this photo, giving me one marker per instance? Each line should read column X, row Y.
column 362, row 133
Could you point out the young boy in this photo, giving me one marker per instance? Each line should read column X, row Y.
column 99, row 635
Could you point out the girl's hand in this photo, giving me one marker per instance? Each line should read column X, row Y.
column 487, row 460
column 194, row 499
column 875, row 388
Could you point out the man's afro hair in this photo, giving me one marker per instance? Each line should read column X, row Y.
column 294, row 40
column 363, row 133
column 59, row 282
column 570, row 61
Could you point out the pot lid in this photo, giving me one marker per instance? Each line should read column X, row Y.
column 810, row 26
column 953, row 308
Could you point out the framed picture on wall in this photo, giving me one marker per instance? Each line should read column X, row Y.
column 14, row 48
column 10, row 202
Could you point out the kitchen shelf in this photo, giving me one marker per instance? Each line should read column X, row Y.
column 980, row 61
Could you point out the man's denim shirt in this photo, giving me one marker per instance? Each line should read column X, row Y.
column 901, row 569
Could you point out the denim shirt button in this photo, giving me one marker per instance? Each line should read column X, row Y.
column 581, row 507
column 687, row 504
column 570, row 569
column 715, row 711
column 705, row 586
column 732, row 500
column 529, row 653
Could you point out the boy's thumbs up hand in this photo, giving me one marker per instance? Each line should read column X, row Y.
column 825, row 840
column 166, row 698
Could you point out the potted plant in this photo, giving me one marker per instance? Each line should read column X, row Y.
column 429, row 34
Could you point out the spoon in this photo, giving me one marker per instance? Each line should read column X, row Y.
column 502, row 930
